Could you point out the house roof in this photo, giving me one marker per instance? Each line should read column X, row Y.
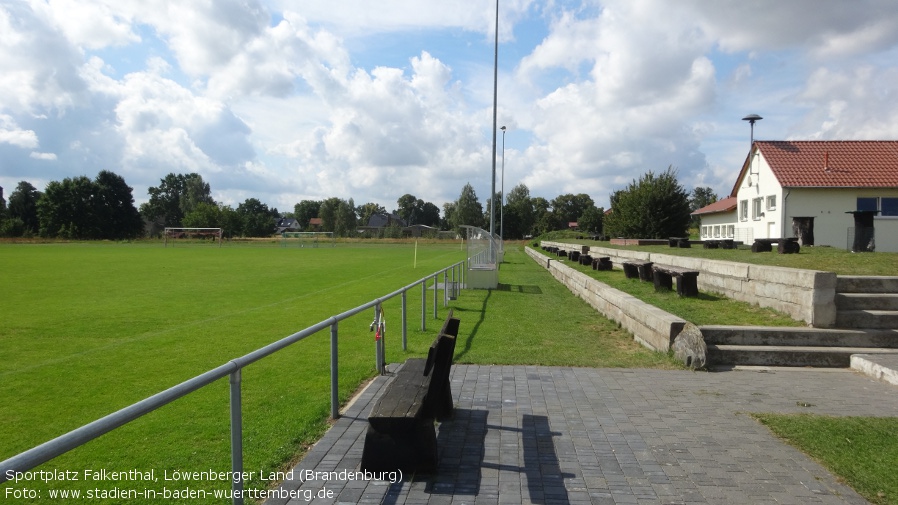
column 829, row 163
column 728, row 204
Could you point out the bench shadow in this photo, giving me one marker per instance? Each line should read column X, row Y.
column 470, row 340
column 462, row 443
column 517, row 288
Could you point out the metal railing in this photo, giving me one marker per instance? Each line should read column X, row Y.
column 45, row 452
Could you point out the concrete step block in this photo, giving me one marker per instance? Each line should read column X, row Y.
column 867, row 319
column 867, row 301
column 866, row 284
column 747, row 355
column 785, row 336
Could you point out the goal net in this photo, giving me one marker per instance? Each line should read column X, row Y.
column 308, row 239
column 192, row 236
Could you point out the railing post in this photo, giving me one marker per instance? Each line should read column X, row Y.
column 379, row 331
column 445, row 288
column 236, row 438
column 436, row 277
column 404, row 323
column 335, row 402
column 423, row 305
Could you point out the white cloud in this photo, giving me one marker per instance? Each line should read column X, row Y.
column 11, row 133
column 43, row 156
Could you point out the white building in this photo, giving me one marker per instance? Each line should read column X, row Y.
column 809, row 190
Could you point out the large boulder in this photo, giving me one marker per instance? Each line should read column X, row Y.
column 689, row 347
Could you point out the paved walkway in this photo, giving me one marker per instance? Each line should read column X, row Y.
column 528, row 434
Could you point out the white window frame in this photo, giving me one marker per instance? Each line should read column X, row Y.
column 771, row 202
column 731, row 230
column 756, row 209
column 743, row 210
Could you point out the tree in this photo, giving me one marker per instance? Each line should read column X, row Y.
column 175, row 195
column 701, row 197
column 256, row 217
column 652, row 207
column 203, row 215
column 196, row 191
column 519, row 215
column 305, row 210
column 67, row 211
column 430, row 215
column 346, row 220
column 113, row 207
column 328, row 213
column 23, row 205
column 446, row 223
column 408, row 207
column 568, row 208
column 468, row 210
column 367, row 210
column 591, row 220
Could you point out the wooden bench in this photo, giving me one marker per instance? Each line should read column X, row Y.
column 687, row 280
column 638, row 270
column 603, row 263
column 788, row 245
column 585, row 259
column 401, row 433
column 681, row 242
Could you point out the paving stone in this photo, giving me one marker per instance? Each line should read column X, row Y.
column 529, row 434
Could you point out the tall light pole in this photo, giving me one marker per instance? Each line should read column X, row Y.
column 751, row 118
column 502, row 201
column 495, row 104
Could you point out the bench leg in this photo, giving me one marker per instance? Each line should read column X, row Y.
column 631, row 271
column 663, row 281
column 645, row 272
column 410, row 451
column 687, row 285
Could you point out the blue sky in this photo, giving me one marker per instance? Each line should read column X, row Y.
column 284, row 100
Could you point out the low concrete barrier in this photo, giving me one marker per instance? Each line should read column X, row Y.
column 805, row 295
column 650, row 326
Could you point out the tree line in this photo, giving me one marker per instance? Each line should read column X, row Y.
column 653, row 206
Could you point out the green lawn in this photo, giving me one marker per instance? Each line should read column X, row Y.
column 861, row 450
column 91, row 328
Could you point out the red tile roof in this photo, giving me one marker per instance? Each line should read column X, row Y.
column 832, row 164
column 726, row 205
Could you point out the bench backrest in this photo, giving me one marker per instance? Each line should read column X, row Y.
column 438, row 401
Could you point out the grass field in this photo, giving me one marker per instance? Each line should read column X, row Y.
column 91, row 328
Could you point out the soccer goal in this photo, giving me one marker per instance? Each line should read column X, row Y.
column 192, row 236
column 308, row 239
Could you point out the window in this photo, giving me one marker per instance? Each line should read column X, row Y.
column 731, row 230
column 756, row 209
column 886, row 205
column 867, row 204
column 771, row 202
column 705, row 231
column 717, row 232
column 743, row 210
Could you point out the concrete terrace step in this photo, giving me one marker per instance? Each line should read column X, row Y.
column 789, row 336
column 867, row 301
column 885, row 319
column 794, row 356
column 866, row 284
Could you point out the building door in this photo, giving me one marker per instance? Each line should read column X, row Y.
column 771, row 230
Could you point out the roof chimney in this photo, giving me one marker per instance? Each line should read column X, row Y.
column 826, row 162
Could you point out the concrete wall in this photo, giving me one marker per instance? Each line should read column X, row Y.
column 650, row 326
column 805, row 295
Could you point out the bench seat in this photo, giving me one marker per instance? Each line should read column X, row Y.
column 638, row 270
column 687, row 280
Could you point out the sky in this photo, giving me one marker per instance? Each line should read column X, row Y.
column 290, row 100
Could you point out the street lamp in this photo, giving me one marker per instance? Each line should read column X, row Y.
column 502, row 201
column 495, row 105
column 751, row 118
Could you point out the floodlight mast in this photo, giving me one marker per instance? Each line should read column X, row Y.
column 495, row 105
column 751, row 118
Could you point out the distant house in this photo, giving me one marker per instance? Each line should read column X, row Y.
column 315, row 224
column 831, row 193
column 382, row 220
column 284, row 224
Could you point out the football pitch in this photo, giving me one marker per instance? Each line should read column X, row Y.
column 90, row 328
